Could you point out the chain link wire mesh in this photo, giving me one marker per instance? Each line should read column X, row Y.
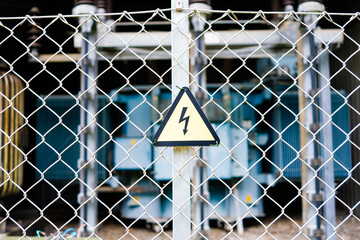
column 83, row 95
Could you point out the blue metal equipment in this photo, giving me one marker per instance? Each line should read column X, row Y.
column 57, row 152
column 238, row 159
column 237, row 168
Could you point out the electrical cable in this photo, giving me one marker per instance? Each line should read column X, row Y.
column 73, row 234
column 79, row 229
column 38, row 232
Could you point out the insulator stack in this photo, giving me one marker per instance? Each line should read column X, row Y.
column 101, row 4
column 78, row 2
column 208, row 2
column 288, row 5
column 34, row 31
column 275, row 5
column 289, row 2
column 302, row 1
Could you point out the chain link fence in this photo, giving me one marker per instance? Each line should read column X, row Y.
column 82, row 97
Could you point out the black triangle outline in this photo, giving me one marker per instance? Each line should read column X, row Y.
column 216, row 140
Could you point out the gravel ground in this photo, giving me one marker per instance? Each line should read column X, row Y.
column 282, row 228
column 269, row 227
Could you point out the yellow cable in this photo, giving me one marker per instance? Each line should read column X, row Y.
column 18, row 106
column 12, row 125
column 6, row 130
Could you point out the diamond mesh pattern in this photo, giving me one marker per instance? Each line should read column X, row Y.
column 82, row 98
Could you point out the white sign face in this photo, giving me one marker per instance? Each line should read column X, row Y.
column 185, row 124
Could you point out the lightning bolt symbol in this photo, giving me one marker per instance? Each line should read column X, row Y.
column 186, row 119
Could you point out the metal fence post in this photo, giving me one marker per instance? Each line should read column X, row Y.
column 310, row 187
column 92, row 137
column 181, row 155
column 200, row 174
column 87, row 129
column 312, row 123
column 327, row 153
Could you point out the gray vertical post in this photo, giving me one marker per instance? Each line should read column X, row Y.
column 181, row 155
column 87, row 129
column 200, row 174
column 92, row 135
column 310, row 151
column 327, row 153
column 313, row 193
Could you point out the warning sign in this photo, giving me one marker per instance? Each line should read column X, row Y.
column 185, row 124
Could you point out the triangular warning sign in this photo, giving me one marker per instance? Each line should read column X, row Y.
column 185, row 124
